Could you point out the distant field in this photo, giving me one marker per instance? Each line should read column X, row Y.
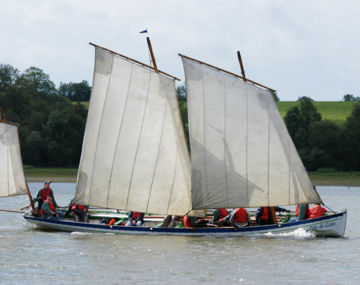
column 35, row 174
column 333, row 111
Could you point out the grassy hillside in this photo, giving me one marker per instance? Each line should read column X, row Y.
column 333, row 111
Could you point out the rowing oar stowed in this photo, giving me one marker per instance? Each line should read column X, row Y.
column 12, row 211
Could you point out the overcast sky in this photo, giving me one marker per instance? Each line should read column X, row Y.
column 300, row 48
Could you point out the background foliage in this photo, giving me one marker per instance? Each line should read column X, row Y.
column 52, row 122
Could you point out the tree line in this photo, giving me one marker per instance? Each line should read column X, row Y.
column 52, row 122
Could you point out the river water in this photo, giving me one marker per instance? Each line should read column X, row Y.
column 30, row 256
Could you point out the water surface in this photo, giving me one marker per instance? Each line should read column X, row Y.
column 30, row 256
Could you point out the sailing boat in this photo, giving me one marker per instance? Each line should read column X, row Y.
column 12, row 178
column 135, row 156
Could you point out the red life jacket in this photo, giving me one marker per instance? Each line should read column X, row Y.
column 45, row 193
column 135, row 215
column 317, row 211
column 241, row 216
column 79, row 207
column 51, row 206
column 223, row 213
column 265, row 214
column 307, row 213
column 187, row 222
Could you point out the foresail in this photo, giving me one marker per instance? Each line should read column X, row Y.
column 12, row 179
column 134, row 154
column 241, row 152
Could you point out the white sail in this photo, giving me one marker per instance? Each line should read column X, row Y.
column 12, row 179
column 241, row 152
column 134, row 154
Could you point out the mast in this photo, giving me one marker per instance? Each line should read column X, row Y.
column 228, row 72
column 241, row 66
column 152, row 54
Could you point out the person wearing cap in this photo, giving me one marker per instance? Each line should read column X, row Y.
column 43, row 193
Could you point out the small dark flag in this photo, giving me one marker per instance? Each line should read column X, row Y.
column 143, row 32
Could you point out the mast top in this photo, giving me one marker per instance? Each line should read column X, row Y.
column 136, row 61
column 228, row 72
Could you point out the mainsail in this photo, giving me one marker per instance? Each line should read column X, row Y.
column 134, row 154
column 241, row 152
column 12, row 179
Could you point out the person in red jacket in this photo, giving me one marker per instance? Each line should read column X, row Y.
column 219, row 215
column 47, row 210
column 239, row 218
column 43, row 193
column 135, row 219
column 302, row 212
column 317, row 211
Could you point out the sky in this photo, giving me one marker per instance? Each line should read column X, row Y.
column 299, row 48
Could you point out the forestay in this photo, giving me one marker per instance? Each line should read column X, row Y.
column 241, row 152
column 134, row 154
column 12, row 179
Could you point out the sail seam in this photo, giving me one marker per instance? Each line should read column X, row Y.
column 246, row 146
column 98, row 134
column 205, row 164
column 225, row 143
column 138, row 143
column 7, row 158
column 289, row 159
column 268, row 157
column 157, row 157
column 118, row 135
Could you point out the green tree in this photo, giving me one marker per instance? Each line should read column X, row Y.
column 351, row 140
column 275, row 96
column 350, row 97
column 324, row 144
column 8, row 76
column 35, row 80
column 76, row 91
column 181, row 93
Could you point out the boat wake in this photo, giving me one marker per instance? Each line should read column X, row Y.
column 298, row 233
column 80, row 235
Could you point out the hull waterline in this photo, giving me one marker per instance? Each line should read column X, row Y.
column 327, row 226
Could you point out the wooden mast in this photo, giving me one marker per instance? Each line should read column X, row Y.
column 228, row 72
column 135, row 61
column 3, row 120
column 152, row 54
column 241, row 66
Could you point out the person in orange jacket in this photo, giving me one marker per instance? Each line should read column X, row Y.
column 317, row 211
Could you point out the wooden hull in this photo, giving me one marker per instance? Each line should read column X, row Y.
column 327, row 226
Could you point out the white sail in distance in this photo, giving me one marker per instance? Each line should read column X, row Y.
column 241, row 152
column 134, row 155
column 12, row 179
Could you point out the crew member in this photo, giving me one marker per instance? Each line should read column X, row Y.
column 239, row 218
column 43, row 193
column 135, row 219
column 317, row 211
column 47, row 210
column 302, row 211
column 80, row 212
column 263, row 215
column 194, row 222
column 219, row 214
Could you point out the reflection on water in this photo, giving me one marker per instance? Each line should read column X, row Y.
column 30, row 256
